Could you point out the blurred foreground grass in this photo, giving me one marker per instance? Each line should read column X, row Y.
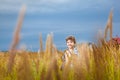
column 96, row 62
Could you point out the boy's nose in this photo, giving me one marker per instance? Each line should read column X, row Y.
column 69, row 44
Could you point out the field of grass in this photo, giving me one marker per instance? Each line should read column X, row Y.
column 96, row 62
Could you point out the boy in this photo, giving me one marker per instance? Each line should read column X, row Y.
column 70, row 51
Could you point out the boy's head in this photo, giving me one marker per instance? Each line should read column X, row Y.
column 70, row 40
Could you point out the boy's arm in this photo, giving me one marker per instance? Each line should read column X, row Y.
column 65, row 57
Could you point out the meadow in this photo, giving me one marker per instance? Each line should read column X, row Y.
column 96, row 62
column 99, row 61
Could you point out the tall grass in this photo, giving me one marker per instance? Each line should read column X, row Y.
column 100, row 63
column 16, row 39
column 96, row 62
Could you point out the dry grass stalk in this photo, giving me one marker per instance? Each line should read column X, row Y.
column 40, row 52
column 49, row 44
column 104, row 58
column 82, row 65
column 55, row 52
column 109, row 26
column 24, row 68
column 41, row 44
column 50, row 72
column 37, row 64
column 53, row 69
column 84, row 58
column 97, row 58
column 16, row 39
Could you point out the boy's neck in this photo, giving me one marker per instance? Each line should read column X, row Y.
column 71, row 49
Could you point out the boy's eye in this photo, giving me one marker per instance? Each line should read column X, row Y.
column 70, row 42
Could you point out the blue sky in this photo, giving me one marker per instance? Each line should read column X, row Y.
column 81, row 18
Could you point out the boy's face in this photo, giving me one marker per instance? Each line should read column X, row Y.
column 70, row 44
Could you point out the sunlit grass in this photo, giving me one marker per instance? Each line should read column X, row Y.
column 101, row 63
column 96, row 62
